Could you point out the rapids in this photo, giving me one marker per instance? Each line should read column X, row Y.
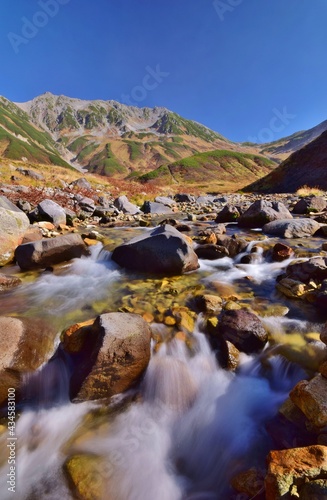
column 190, row 426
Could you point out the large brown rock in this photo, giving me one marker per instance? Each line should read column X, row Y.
column 112, row 355
column 261, row 212
column 13, row 224
column 289, row 471
column 243, row 329
column 163, row 250
column 311, row 397
column 25, row 345
column 47, row 252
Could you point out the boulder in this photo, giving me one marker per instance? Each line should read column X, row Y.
column 184, row 198
column 228, row 214
column 211, row 252
column 233, row 244
column 165, row 200
column 126, row 206
column 112, row 355
column 7, row 282
column 13, row 225
column 290, row 470
column 311, row 269
column 311, row 397
column 34, row 233
column 310, row 204
column 314, row 490
column 85, row 204
column 261, row 212
column 152, row 207
column 243, row 329
column 81, row 183
column 208, row 304
column 25, row 345
column 162, row 250
column 49, row 210
column 281, row 252
column 297, row 228
column 47, row 252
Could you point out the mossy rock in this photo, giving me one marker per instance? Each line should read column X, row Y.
column 87, row 475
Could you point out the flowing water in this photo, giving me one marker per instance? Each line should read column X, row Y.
column 190, row 425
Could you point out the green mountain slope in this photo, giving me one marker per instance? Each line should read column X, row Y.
column 220, row 168
column 20, row 139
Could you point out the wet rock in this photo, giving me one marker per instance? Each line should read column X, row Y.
column 208, row 304
column 228, row 214
column 211, row 252
column 47, row 252
column 162, row 250
column 49, row 210
column 289, row 470
column 233, row 244
column 244, row 329
column 323, row 334
column 309, row 205
column 13, row 225
column 229, row 356
column 281, row 252
column 7, row 282
column 298, row 228
column 81, row 183
column 304, row 271
column 126, row 206
column 292, row 288
column 314, row 490
column 261, row 212
column 152, row 207
column 114, row 353
column 311, row 397
column 250, row 482
column 25, row 345
column 88, row 476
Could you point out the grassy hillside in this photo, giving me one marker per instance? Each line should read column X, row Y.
column 20, row 139
column 220, row 169
column 306, row 167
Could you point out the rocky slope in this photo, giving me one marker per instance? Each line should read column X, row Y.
column 306, row 167
column 110, row 138
column 287, row 145
column 19, row 139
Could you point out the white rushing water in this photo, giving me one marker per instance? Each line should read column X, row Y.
column 195, row 426
column 85, row 281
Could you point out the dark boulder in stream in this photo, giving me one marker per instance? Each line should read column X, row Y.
column 244, row 329
column 45, row 253
column 163, row 250
column 109, row 356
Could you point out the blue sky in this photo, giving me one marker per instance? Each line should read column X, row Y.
column 234, row 65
